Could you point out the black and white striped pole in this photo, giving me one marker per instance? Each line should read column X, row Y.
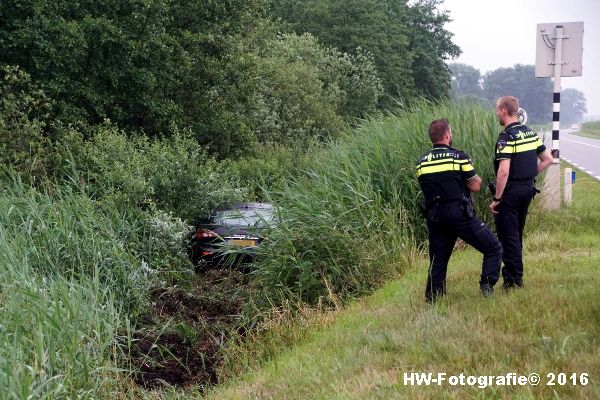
column 559, row 49
column 551, row 198
column 556, row 94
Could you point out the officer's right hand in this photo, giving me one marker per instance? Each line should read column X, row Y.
column 494, row 207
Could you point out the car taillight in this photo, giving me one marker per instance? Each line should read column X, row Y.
column 205, row 234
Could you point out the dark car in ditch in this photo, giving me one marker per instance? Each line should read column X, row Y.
column 231, row 234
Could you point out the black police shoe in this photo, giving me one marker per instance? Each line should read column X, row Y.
column 486, row 290
column 511, row 285
column 431, row 296
column 508, row 285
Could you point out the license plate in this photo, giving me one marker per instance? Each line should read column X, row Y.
column 242, row 242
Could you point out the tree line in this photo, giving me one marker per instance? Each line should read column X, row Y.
column 234, row 74
column 534, row 94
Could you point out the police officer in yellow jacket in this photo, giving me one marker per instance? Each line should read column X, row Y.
column 447, row 178
column 518, row 150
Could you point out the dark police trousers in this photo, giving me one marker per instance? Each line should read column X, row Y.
column 510, row 222
column 452, row 221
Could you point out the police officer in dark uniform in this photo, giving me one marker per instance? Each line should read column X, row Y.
column 516, row 164
column 447, row 178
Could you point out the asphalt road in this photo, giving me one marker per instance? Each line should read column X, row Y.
column 579, row 151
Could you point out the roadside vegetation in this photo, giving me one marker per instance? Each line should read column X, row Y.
column 353, row 219
column 121, row 124
column 549, row 327
column 124, row 123
column 106, row 224
column 590, row 129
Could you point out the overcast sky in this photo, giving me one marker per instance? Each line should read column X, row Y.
column 494, row 34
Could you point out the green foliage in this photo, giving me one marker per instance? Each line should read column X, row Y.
column 23, row 112
column 535, row 95
column 270, row 167
column 296, row 105
column 354, row 76
column 465, row 80
column 354, row 218
column 151, row 65
column 68, row 278
column 432, row 46
column 163, row 247
column 174, row 175
column 80, row 249
column 572, row 106
column 64, row 233
column 595, row 125
column 408, row 42
column 216, row 70
column 590, row 129
column 359, row 24
column 307, row 92
column 186, row 181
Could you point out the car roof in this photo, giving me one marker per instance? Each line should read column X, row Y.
column 245, row 206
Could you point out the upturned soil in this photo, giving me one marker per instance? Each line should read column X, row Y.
column 179, row 339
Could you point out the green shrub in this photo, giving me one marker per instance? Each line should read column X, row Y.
column 306, row 92
column 174, row 175
column 270, row 166
column 292, row 104
column 187, row 182
column 164, row 239
column 23, row 112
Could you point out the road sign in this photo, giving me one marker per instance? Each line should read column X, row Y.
column 522, row 116
column 572, row 49
column 559, row 53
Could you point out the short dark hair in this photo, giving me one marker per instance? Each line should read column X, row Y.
column 437, row 129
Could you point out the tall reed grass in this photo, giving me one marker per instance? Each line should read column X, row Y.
column 67, row 283
column 80, row 246
column 353, row 219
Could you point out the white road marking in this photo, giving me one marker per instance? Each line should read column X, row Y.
column 574, row 164
column 585, row 144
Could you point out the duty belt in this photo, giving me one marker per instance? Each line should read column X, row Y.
column 522, row 181
column 438, row 201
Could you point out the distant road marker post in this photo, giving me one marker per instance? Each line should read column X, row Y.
column 568, row 190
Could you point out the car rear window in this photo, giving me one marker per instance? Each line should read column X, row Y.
column 245, row 218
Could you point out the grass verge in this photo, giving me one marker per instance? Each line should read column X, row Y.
column 592, row 134
column 590, row 130
column 550, row 326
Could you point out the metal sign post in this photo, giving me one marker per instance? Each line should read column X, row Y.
column 551, row 197
column 559, row 53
